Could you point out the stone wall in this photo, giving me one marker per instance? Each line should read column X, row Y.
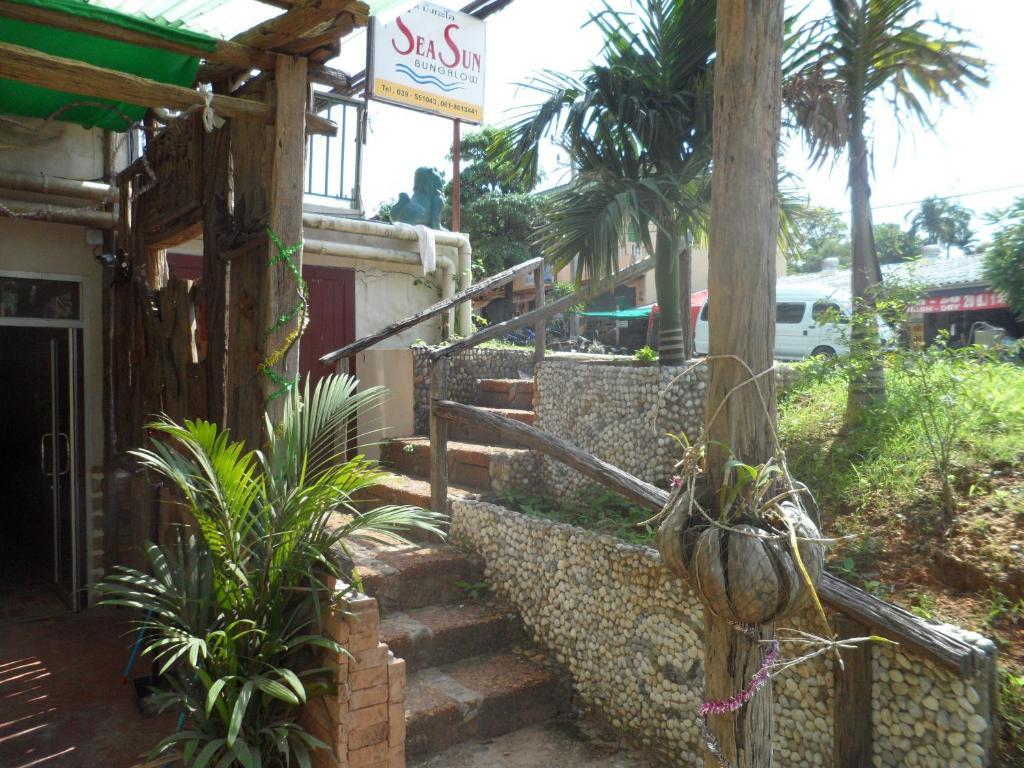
column 630, row 635
column 621, row 412
column 464, row 370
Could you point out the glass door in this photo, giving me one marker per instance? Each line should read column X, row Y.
column 60, row 459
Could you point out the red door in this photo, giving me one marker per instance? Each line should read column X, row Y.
column 332, row 311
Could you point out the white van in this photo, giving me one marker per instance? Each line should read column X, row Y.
column 809, row 320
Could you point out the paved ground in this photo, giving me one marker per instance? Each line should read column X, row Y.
column 62, row 704
column 552, row 745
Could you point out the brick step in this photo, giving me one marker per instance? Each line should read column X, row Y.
column 415, row 491
column 469, row 464
column 474, row 434
column 480, row 697
column 505, row 393
column 443, row 634
column 403, row 577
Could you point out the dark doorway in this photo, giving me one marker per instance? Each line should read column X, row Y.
column 40, row 463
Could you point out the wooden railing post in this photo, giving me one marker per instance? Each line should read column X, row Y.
column 539, row 327
column 852, row 737
column 438, row 437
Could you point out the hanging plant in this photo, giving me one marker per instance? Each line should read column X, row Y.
column 750, row 551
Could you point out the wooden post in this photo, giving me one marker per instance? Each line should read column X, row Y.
column 286, row 190
column 438, row 437
column 540, row 327
column 744, row 227
column 851, row 728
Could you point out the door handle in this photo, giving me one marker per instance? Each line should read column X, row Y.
column 67, row 454
column 42, row 452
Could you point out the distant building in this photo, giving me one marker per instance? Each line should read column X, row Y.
column 957, row 297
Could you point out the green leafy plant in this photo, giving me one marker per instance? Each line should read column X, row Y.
column 235, row 613
column 645, row 355
column 474, row 589
column 1010, row 707
column 923, row 606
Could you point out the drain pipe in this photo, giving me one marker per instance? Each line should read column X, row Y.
column 457, row 240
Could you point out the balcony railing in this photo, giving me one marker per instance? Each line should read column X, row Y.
column 333, row 163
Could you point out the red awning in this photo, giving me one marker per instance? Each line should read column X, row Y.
column 961, row 302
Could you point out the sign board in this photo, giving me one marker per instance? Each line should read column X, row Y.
column 961, row 302
column 430, row 59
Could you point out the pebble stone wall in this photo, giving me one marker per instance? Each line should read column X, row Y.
column 621, row 412
column 464, row 370
column 630, row 635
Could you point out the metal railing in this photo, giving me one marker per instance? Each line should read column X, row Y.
column 334, row 163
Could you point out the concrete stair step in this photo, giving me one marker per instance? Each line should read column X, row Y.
column 469, row 464
column 479, row 697
column 506, row 393
column 403, row 577
column 474, row 434
column 443, row 634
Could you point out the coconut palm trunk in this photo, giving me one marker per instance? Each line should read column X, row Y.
column 867, row 377
column 671, row 342
column 740, row 413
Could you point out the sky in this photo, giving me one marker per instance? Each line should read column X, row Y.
column 976, row 147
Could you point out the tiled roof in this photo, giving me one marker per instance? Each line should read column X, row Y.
column 937, row 274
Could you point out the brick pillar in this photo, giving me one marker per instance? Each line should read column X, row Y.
column 364, row 719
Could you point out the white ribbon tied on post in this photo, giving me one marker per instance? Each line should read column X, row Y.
column 210, row 120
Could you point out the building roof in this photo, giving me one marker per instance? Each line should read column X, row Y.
column 933, row 274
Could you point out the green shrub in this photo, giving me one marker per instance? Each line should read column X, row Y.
column 235, row 613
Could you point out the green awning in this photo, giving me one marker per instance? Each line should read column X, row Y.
column 162, row 66
column 632, row 313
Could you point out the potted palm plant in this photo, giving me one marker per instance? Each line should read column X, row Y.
column 235, row 613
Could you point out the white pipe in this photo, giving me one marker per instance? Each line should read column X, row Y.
column 371, row 253
column 43, row 184
column 380, row 229
column 63, row 215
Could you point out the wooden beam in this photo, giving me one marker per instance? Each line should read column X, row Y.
column 540, row 325
column 438, row 437
column 885, row 619
column 590, row 291
column 432, row 311
column 27, row 65
column 851, row 715
column 527, row 436
column 226, row 52
column 306, row 17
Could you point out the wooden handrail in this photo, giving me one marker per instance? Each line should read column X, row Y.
column 542, row 313
column 433, row 310
column 882, row 618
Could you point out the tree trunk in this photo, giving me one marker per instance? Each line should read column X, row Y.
column 744, row 228
column 671, row 349
column 685, row 289
column 867, row 375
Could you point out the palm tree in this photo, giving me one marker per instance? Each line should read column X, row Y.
column 637, row 128
column 943, row 223
column 235, row 613
column 836, row 68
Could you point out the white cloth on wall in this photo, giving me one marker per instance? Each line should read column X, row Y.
column 428, row 249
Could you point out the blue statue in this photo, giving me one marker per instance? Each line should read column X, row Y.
column 426, row 203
